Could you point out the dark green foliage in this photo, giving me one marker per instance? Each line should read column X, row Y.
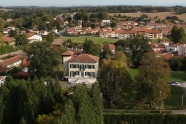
column 68, row 115
column 6, row 49
column 21, row 39
column 97, row 103
column 50, row 37
column 25, row 100
column 177, row 34
column 134, row 118
column 43, row 58
column 90, row 47
column 175, row 119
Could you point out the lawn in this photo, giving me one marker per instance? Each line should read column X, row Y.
column 97, row 40
column 175, row 75
column 58, row 71
column 175, row 98
column 156, row 40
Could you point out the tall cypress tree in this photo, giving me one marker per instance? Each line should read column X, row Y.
column 68, row 115
column 97, row 103
column 84, row 106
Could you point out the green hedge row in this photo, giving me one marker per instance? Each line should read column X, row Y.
column 136, row 111
column 144, row 118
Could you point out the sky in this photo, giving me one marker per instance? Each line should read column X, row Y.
column 62, row 3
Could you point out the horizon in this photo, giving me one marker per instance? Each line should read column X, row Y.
column 58, row 3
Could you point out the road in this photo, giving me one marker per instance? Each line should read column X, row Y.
column 62, row 33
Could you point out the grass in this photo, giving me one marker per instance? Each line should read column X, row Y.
column 97, row 40
column 175, row 98
column 175, row 75
column 58, row 71
column 176, row 92
column 156, row 40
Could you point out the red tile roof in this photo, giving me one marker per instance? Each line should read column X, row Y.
column 1, row 77
column 3, row 68
column 12, row 60
column 28, row 35
column 25, row 63
column 111, row 46
column 85, row 58
column 167, row 56
column 57, row 42
column 8, row 39
column 26, row 74
column 67, row 53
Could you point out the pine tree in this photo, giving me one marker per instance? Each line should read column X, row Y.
column 57, row 92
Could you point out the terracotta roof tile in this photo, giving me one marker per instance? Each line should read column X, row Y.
column 86, row 58
column 8, row 39
column 25, row 63
column 67, row 53
column 57, row 42
column 12, row 60
column 3, row 68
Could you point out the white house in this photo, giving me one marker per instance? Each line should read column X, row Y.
column 105, row 21
column 165, row 42
column 172, row 48
column 182, row 50
column 43, row 32
column 33, row 38
column 80, row 68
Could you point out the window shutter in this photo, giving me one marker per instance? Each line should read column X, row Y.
column 93, row 66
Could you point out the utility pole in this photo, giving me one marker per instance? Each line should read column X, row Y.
column 160, row 102
column 182, row 99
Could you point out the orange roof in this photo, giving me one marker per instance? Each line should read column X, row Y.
column 67, row 53
column 166, row 29
column 86, row 58
column 26, row 74
column 12, row 60
column 25, row 63
column 167, row 56
column 111, row 46
column 165, row 41
column 57, row 42
column 158, row 52
column 3, row 68
column 1, row 77
column 28, row 35
column 8, row 39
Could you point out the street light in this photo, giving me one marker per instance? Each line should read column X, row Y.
column 182, row 99
column 160, row 102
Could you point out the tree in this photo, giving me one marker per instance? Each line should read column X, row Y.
column 177, row 34
column 85, row 113
column 21, row 39
column 90, row 47
column 2, row 23
column 50, row 37
column 105, row 54
column 151, row 80
column 115, row 80
column 97, row 103
column 43, row 58
column 13, row 33
column 68, row 115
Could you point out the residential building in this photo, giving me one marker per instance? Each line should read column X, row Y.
column 13, row 61
column 33, row 38
column 80, row 68
column 111, row 47
column 57, row 42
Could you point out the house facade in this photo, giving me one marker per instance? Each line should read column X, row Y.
column 80, row 68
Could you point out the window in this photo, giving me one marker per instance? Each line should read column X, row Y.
column 71, row 65
column 93, row 66
column 89, row 66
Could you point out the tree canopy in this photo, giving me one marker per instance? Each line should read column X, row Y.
column 152, row 78
column 43, row 58
column 178, row 34
column 90, row 47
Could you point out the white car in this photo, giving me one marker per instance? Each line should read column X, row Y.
column 177, row 84
column 74, row 82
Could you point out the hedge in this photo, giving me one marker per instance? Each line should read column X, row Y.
column 145, row 118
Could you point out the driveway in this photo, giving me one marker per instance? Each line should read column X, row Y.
column 65, row 84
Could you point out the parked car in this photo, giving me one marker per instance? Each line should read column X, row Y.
column 174, row 83
column 74, row 82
